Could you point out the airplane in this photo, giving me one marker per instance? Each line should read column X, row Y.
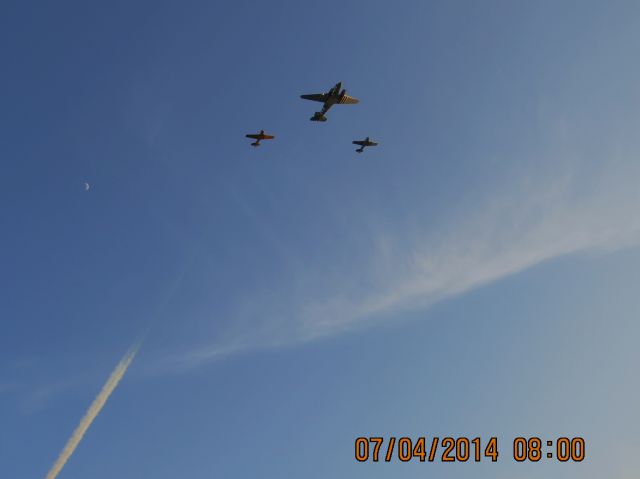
column 363, row 143
column 259, row 136
column 333, row 96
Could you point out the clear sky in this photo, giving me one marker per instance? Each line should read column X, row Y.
column 474, row 275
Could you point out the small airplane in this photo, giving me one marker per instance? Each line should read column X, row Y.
column 363, row 143
column 333, row 96
column 259, row 136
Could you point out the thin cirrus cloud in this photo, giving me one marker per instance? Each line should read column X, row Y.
column 529, row 221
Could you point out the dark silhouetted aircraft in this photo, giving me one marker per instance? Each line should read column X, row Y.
column 363, row 143
column 258, row 137
column 333, row 96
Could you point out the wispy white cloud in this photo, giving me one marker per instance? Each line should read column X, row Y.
column 533, row 219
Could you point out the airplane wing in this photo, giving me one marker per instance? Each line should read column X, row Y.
column 253, row 136
column 268, row 137
column 321, row 97
column 359, row 142
column 348, row 100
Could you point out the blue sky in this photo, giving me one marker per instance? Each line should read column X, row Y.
column 475, row 274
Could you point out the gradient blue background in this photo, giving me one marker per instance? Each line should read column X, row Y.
column 508, row 148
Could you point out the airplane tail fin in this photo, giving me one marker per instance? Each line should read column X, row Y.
column 257, row 143
column 360, row 150
column 318, row 116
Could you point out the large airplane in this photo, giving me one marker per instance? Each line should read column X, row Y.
column 333, row 96
column 363, row 144
column 258, row 137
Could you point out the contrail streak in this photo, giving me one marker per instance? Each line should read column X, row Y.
column 92, row 412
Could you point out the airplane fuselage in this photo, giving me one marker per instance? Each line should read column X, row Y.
column 261, row 135
column 363, row 144
column 335, row 95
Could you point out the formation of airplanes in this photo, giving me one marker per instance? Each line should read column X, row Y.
column 335, row 96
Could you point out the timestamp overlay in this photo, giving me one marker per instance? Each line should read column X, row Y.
column 468, row 449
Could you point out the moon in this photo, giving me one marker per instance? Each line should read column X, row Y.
column 87, row 186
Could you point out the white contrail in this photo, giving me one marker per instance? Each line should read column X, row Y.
column 92, row 412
